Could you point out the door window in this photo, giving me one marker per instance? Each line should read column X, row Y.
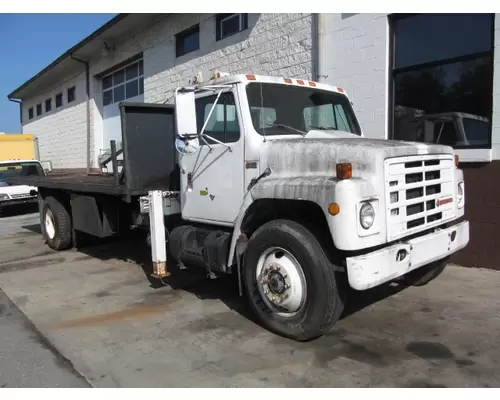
column 223, row 123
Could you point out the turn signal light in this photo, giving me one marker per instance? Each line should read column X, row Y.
column 344, row 171
column 457, row 160
column 333, row 209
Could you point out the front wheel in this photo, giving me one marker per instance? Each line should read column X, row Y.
column 290, row 282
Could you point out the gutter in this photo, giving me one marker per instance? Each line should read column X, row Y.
column 20, row 110
column 318, row 21
column 87, row 93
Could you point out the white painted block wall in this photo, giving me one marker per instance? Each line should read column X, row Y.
column 62, row 132
column 355, row 48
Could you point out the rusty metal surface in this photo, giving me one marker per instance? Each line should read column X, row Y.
column 160, row 270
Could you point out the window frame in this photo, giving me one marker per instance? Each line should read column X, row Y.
column 59, row 96
column 49, row 103
column 179, row 39
column 393, row 72
column 123, row 67
column 69, row 90
column 219, row 19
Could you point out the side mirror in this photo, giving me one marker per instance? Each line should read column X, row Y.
column 185, row 113
column 190, row 146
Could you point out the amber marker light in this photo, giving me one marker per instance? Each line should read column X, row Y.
column 344, row 171
column 333, row 209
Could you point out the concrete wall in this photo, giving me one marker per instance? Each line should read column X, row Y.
column 61, row 132
column 356, row 59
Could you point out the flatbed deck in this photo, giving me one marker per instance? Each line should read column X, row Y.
column 78, row 182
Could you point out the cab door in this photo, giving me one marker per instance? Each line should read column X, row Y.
column 212, row 179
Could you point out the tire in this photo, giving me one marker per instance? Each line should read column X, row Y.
column 56, row 224
column 288, row 244
column 423, row 275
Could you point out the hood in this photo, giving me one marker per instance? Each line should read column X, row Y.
column 319, row 152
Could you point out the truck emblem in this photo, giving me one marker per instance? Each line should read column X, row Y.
column 443, row 201
column 204, row 192
column 212, row 197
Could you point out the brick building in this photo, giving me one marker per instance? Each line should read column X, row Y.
column 427, row 77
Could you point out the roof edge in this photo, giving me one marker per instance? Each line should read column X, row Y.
column 68, row 53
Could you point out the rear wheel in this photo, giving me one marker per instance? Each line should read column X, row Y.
column 290, row 282
column 56, row 224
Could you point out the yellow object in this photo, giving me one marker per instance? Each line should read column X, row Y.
column 17, row 147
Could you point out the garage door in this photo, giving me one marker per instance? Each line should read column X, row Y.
column 125, row 84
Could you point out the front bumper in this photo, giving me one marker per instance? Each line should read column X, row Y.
column 384, row 265
column 17, row 202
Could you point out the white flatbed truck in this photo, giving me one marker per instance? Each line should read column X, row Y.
column 271, row 179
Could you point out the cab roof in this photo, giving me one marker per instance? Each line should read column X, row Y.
column 249, row 78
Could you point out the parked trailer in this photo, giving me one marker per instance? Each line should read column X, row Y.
column 271, row 179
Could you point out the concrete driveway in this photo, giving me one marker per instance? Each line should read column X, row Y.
column 119, row 329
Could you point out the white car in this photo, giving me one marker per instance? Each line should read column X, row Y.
column 11, row 195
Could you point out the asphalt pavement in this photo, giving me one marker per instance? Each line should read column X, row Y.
column 99, row 311
column 27, row 360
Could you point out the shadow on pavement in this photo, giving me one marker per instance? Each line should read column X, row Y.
column 18, row 210
column 225, row 288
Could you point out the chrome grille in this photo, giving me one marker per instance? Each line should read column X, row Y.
column 419, row 193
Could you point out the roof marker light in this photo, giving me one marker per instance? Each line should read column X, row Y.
column 251, row 77
column 313, row 84
column 340, row 90
column 300, row 81
column 288, row 80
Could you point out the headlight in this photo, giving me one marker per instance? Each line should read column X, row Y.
column 4, row 196
column 460, row 194
column 366, row 215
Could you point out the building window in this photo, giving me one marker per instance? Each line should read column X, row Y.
column 30, row 113
column 229, row 24
column 71, row 94
column 187, row 41
column 442, row 79
column 39, row 109
column 123, row 84
column 223, row 123
column 48, row 105
column 59, row 100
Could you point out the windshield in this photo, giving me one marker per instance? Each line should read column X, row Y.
column 18, row 169
column 279, row 109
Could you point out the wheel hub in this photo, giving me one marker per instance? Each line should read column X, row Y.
column 281, row 281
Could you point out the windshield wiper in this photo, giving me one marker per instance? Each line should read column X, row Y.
column 323, row 128
column 287, row 127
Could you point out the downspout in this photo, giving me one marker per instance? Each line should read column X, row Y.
column 87, row 92
column 318, row 47
column 20, row 110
